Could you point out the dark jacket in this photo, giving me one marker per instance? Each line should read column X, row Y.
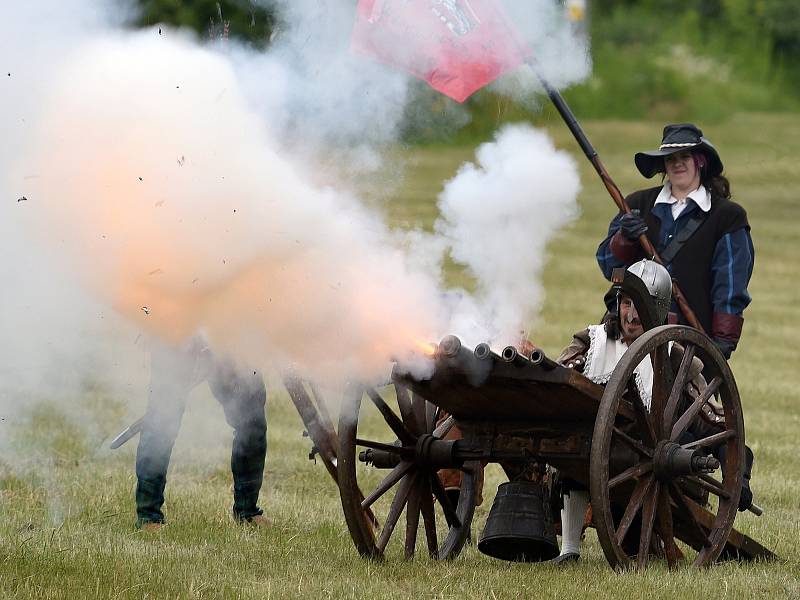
column 713, row 267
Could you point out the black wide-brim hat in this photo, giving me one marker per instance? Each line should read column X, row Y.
column 678, row 138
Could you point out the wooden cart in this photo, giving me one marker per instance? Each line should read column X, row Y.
column 512, row 408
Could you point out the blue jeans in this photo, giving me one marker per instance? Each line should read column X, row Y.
column 242, row 395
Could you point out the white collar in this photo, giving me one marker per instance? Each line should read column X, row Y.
column 604, row 355
column 701, row 197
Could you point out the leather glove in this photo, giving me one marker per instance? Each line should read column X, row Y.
column 725, row 346
column 632, row 225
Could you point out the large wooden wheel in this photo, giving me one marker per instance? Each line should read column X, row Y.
column 642, row 506
column 393, row 431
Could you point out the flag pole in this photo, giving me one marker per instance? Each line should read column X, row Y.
column 616, row 195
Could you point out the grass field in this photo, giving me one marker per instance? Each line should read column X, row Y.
column 66, row 503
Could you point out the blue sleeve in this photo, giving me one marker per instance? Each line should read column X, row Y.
column 605, row 259
column 731, row 269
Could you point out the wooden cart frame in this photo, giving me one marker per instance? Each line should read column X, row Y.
column 653, row 493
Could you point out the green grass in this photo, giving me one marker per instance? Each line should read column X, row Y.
column 66, row 503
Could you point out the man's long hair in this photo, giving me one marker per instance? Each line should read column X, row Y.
column 610, row 320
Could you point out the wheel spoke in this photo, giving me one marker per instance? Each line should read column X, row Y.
column 323, row 407
column 634, row 504
column 418, row 406
column 388, row 482
column 711, row 441
column 635, row 471
column 385, row 447
column 665, row 529
column 642, row 416
column 709, row 483
column 429, row 517
column 695, row 529
column 412, row 519
column 648, row 521
column 391, row 418
column 404, row 485
column 323, row 437
column 632, row 443
column 444, row 501
column 432, row 415
column 406, row 412
column 682, row 424
column 624, row 424
column 662, row 380
column 678, row 386
column 395, row 510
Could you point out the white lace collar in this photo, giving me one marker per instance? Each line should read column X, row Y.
column 603, row 356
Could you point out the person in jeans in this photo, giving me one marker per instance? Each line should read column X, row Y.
column 242, row 394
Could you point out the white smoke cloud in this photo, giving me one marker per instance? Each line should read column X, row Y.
column 165, row 174
column 497, row 217
column 315, row 94
column 182, row 214
column 46, row 316
column 560, row 51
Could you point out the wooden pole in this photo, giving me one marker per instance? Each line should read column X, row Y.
column 616, row 195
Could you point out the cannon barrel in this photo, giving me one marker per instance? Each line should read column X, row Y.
column 539, row 358
column 451, row 354
column 484, row 352
column 449, row 346
column 511, row 355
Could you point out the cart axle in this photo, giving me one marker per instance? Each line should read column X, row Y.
column 671, row 461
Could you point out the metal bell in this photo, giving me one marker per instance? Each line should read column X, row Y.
column 520, row 524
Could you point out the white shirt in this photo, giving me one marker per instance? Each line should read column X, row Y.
column 701, row 197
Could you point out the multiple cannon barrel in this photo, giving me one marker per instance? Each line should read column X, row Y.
column 451, row 347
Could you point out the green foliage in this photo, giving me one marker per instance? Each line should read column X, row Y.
column 242, row 19
column 781, row 20
column 697, row 60
column 689, row 66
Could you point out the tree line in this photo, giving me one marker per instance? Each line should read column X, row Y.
column 662, row 59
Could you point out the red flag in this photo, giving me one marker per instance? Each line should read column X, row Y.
column 457, row 46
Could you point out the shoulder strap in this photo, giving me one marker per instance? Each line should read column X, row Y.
column 682, row 237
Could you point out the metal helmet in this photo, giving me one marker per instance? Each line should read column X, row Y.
column 658, row 282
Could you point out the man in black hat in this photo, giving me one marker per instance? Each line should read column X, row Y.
column 702, row 236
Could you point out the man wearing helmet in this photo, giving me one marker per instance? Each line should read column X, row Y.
column 595, row 352
column 701, row 235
